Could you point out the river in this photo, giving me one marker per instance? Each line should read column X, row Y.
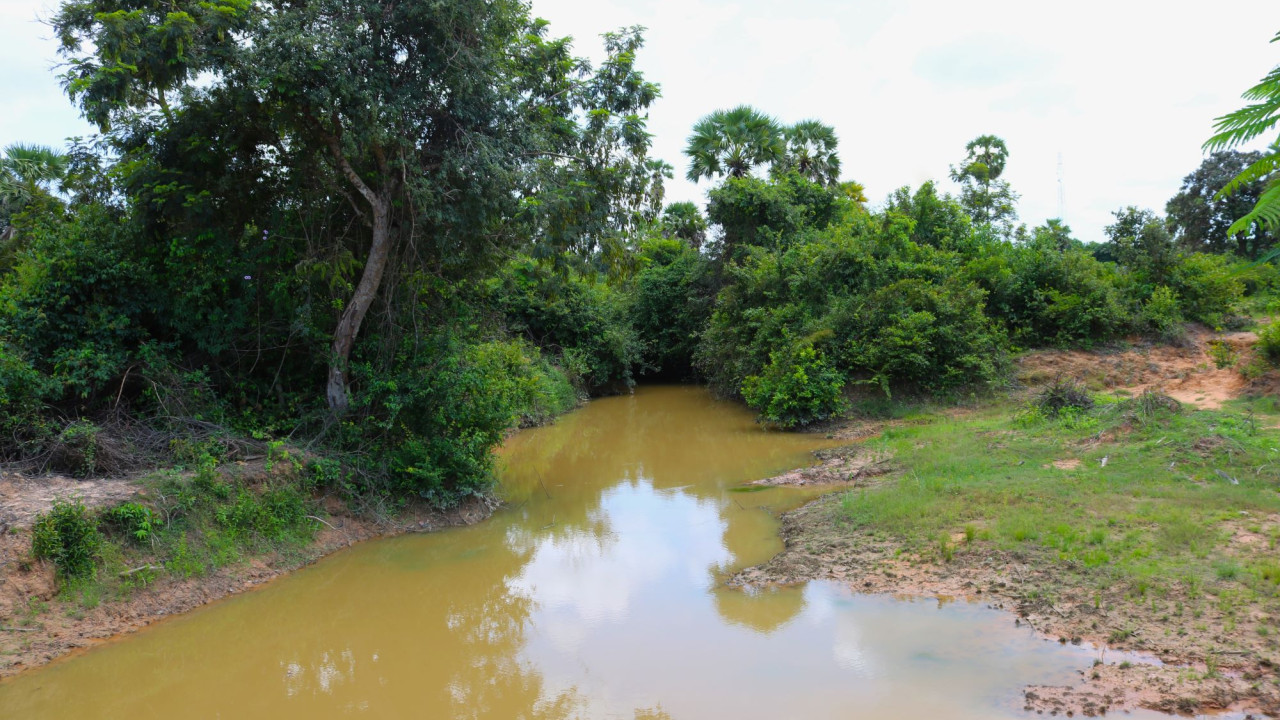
column 597, row 593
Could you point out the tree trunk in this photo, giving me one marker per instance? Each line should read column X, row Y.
column 344, row 336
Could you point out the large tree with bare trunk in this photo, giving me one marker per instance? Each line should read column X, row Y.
column 456, row 125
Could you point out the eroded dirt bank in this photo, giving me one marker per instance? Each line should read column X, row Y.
column 38, row 625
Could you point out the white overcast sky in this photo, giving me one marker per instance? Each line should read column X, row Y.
column 1124, row 92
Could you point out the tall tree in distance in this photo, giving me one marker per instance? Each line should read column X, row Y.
column 26, row 171
column 1258, row 118
column 733, row 142
column 989, row 199
column 1201, row 218
column 683, row 220
column 811, row 151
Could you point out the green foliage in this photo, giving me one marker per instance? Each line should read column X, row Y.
column 433, row 420
column 582, row 320
column 24, row 392
column 1254, row 120
column 67, row 536
column 1207, row 288
column 797, row 388
column 1162, row 314
column 1200, row 217
column 132, row 521
column 989, row 200
column 1269, row 342
column 733, row 142
column 925, row 335
column 684, row 221
column 1048, row 294
column 770, row 214
column 811, row 153
column 671, row 304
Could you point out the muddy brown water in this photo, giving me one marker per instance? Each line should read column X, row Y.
column 597, row 594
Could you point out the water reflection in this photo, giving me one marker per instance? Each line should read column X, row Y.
column 597, row 594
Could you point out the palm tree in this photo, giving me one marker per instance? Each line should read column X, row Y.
column 983, row 165
column 811, row 151
column 25, row 172
column 26, row 169
column 733, row 143
column 1241, row 126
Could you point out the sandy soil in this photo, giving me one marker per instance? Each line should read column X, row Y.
column 30, row 639
column 1184, row 372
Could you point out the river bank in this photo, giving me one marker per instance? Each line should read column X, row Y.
column 1141, row 524
column 40, row 622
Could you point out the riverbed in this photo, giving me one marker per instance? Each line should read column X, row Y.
column 597, row 592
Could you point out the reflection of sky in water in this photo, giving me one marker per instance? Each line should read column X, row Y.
column 630, row 619
column 597, row 593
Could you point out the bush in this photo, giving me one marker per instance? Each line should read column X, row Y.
column 67, row 536
column 1162, row 315
column 1269, row 342
column 671, row 305
column 1061, row 396
column 796, row 389
column 130, row 520
column 584, row 321
column 23, row 394
column 1207, row 288
column 924, row 335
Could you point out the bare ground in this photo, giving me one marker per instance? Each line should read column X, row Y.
column 29, row 639
column 1184, row 371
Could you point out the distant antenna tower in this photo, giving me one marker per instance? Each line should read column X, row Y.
column 1062, row 192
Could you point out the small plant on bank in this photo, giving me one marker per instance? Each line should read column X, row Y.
column 1269, row 343
column 1063, row 396
column 68, row 537
column 133, row 521
column 1222, row 354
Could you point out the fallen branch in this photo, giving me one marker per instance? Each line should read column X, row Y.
column 319, row 520
column 140, row 568
column 18, row 629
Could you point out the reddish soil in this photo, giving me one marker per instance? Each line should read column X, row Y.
column 38, row 625
column 1184, row 372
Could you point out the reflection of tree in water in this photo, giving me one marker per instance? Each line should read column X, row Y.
column 492, row 682
column 652, row 714
column 763, row 610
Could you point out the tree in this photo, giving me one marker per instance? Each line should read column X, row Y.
column 811, row 151
column 1201, row 218
column 451, row 129
column 733, row 143
column 989, row 199
column 1241, row 126
column 1140, row 241
column 26, row 171
column 683, row 220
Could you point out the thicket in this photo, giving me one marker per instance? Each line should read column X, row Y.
column 398, row 289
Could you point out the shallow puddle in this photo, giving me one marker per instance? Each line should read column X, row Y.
column 598, row 594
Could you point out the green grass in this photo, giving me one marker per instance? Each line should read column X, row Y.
column 1154, row 515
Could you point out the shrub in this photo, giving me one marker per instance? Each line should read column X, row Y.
column 932, row 336
column 67, row 536
column 796, row 389
column 1063, row 395
column 23, row 393
column 130, row 520
column 584, row 320
column 671, row 305
column 1162, row 315
column 1269, row 342
column 1207, row 288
